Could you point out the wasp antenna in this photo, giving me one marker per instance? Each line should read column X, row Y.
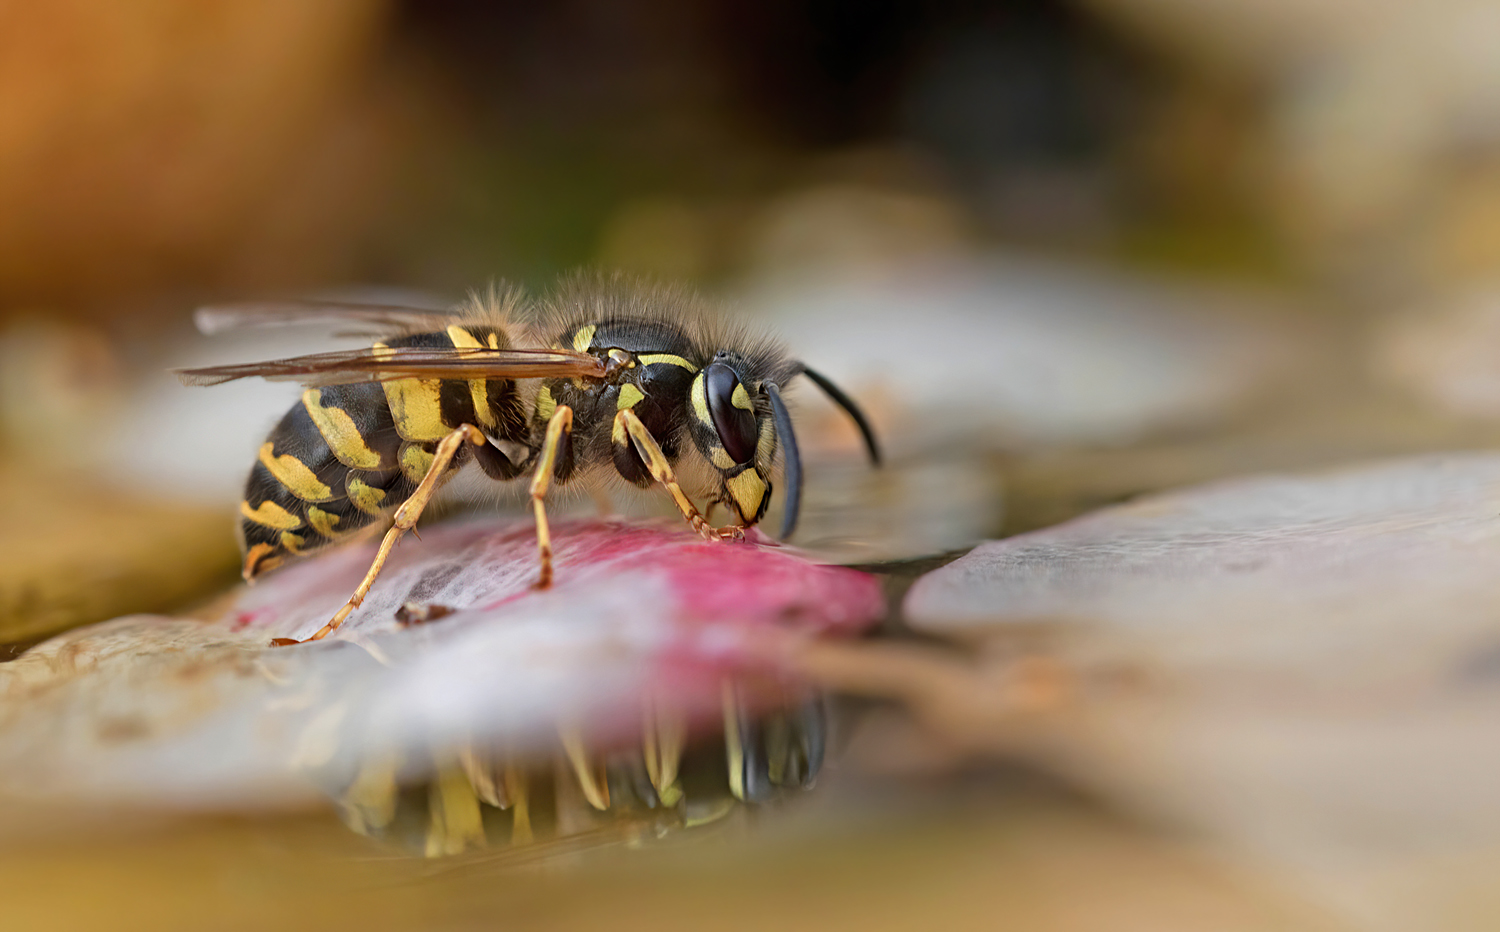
column 850, row 408
column 788, row 438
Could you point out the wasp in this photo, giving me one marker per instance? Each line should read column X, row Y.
column 605, row 379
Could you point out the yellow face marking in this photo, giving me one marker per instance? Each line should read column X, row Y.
column 294, row 474
column 722, row 459
column 254, row 564
column 650, row 359
column 323, row 522
column 629, row 395
column 270, row 514
column 741, row 398
column 340, row 433
column 478, row 388
column 584, row 338
column 291, row 543
column 365, row 497
column 700, row 401
column 545, row 404
column 765, row 447
column 747, row 489
column 493, row 339
column 415, row 462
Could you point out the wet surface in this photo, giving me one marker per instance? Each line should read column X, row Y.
column 639, row 695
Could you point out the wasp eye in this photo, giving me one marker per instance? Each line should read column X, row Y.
column 732, row 411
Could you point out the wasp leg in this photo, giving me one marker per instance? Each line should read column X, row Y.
column 661, row 471
column 406, row 518
column 559, row 431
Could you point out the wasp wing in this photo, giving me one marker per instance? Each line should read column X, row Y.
column 382, row 364
column 377, row 317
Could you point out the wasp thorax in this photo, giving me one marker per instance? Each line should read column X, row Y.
column 733, row 412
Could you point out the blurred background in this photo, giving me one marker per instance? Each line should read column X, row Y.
column 1265, row 236
column 172, row 152
column 1067, row 252
column 169, row 153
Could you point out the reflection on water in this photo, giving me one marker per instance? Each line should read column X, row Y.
column 470, row 798
column 645, row 692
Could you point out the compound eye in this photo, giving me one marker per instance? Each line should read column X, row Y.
column 732, row 411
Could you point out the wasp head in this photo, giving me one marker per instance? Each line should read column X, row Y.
column 734, row 427
column 739, row 421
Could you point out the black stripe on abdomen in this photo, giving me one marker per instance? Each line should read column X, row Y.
column 297, row 496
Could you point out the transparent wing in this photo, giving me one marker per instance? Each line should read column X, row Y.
column 369, row 365
column 374, row 318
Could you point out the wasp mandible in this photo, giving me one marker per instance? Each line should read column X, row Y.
column 606, row 379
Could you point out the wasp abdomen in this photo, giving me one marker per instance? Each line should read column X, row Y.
column 330, row 467
column 426, row 410
column 348, row 455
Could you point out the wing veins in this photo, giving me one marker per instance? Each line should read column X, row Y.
column 345, row 367
column 223, row 318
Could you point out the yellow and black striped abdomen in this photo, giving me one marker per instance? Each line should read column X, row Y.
column 331, row 466
column 426, row 410
column 349, row 454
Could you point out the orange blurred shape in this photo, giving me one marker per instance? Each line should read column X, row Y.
column 139, row 141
